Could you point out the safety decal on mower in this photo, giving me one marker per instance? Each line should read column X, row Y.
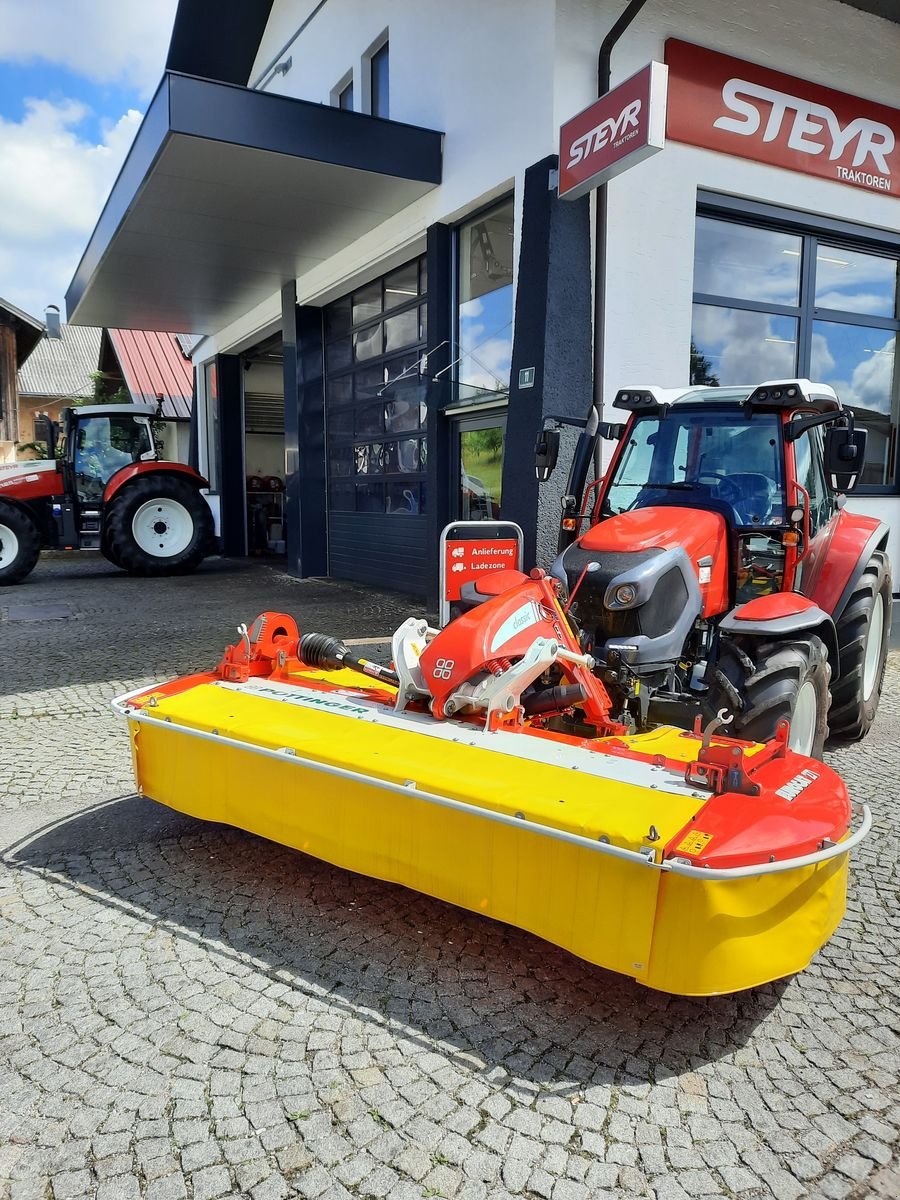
column 694, row 843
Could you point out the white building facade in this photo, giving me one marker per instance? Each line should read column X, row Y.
column 374, row 374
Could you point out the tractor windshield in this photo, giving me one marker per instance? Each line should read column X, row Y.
column 696, row 457
column 104, row 444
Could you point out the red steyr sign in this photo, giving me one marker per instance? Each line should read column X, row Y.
column 614, row 133
column 736, row 107
column 465, row 561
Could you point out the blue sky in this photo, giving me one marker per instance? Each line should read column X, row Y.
column 75, row 80
column 105, row 101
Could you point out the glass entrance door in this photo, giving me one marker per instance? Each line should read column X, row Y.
column 478, row 443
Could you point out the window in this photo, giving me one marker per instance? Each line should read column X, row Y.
column 808, row 452
column 379, row 67
column 213, row 442
column 375, row 396
column 485, row 300
column 708, row 453
column 774, row 303
column 103, row 446
column 345, row 97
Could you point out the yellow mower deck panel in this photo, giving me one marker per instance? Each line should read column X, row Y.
column 452, row 812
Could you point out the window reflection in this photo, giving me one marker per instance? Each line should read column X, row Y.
column 376, row 396
column 485, row 312
column 856, row 282
column 745, row 263
column 860, row 363
column 740, row 346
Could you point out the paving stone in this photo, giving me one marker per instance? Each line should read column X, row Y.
column 210, row 1182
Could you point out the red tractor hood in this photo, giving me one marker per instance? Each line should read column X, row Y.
column 30, row 480
column 702, row 534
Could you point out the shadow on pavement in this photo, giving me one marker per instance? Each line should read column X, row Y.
column 384, row 954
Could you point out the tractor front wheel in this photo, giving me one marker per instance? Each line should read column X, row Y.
column 20, row 544
column 159, row 525
column 863, row 630
column 763, row 683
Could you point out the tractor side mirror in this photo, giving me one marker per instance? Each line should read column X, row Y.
column 45, row 431
column 845, row 452
column 546, row 452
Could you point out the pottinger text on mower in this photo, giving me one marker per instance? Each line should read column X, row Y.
column 107, row 490
column 715, row 566
column 489, row 767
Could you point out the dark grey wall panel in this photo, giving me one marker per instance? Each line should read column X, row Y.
column 401, row 562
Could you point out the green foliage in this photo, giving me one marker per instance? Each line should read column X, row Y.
column 101, row 393
column 701, row 369
column 39, row 448
column 485, row 442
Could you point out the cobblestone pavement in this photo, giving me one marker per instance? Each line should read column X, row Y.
column 187, row 1011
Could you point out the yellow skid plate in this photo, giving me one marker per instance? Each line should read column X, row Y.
column 344, row 783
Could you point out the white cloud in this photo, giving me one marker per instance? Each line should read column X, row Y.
column 744, row 346
column 107, row 41
column 873, row 382
column 55, row 183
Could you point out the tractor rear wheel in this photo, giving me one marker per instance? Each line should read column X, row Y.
column 20, row 544
column 158, row 525
column 863, row 630
column 775, row 681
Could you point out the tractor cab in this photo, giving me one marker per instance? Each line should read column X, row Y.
column 103, row 438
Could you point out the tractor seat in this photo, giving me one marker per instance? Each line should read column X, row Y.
column 489, row 585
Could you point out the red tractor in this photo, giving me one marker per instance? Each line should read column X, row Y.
column 720, row 569
column 108, row 490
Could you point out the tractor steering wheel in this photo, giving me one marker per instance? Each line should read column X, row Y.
column 738, row 489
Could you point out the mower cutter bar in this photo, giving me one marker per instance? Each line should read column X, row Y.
column 646, row 856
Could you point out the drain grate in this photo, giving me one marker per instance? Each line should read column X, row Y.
column 39, row 611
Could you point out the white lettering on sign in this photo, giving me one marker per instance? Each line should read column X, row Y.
column 813, row 128
column 798, row 784
column 595, row 139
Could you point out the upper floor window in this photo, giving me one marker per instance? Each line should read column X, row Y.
column 781, row 303
column 344, row 96
column 379, row 66
column 484, row 330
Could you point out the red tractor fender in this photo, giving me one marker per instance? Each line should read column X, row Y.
column 126, row 474
column 855, row 539
column 780, row 615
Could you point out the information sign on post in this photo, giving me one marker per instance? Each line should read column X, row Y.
column 614, row 133
column 468, row 549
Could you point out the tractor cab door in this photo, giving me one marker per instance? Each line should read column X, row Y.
column 102, row 445
column 823, row 511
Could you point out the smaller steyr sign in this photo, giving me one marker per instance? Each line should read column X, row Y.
column 614, row 133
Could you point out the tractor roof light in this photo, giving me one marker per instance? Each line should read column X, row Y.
column 645, row 397
column 789, row 393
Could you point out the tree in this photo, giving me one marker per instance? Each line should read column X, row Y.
column 701, row 369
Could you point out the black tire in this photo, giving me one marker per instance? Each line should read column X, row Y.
column 20, row 543
column 128, row 543
column 109, row 554
column 759, row 682
column 852, row 711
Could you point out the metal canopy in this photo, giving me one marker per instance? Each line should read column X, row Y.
column 229, row 193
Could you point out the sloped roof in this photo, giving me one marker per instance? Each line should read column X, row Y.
column 61, row 367
column 153, row 365
column 28, row 329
